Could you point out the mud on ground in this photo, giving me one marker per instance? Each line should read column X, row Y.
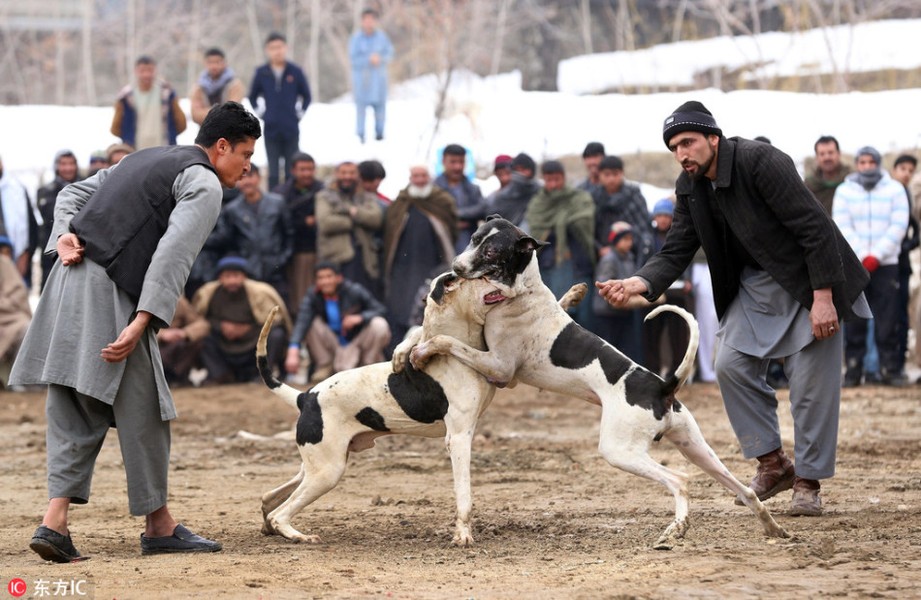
column 551, row 519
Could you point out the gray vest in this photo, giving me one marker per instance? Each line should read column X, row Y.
column 122, row 223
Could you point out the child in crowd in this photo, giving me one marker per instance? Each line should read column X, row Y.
column 619, row 327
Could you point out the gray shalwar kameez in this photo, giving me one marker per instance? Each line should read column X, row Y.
column 80, row 312
column 766, row 322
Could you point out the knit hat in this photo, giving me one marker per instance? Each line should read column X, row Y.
column 871, row 151
column 232, row 263
column 690, row 116
column 665, row 206
column 503, row 161
column 619, row 230
column 98, row 156
column 5, row 241
column 524, row 161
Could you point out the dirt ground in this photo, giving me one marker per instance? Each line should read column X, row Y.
column 551, row 520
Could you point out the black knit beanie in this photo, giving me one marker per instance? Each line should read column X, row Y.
column 690, row 116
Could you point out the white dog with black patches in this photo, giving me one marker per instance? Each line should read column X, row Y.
column 348, row 411
column 638, row 407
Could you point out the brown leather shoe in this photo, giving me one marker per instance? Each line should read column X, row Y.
column 775, row 474
column 806, row 501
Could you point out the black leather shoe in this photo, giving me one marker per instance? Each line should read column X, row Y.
column 182, row 540
column 53, row 546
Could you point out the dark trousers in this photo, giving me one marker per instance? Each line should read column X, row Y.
column 622, row 332
column 665, row 331
column 883, row 296
column 904, row 276
column 240, row 367
column 280, row 147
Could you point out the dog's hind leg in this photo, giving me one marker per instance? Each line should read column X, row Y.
column 323, row 468
column 623, row 446
column 685, row 434
column 273, row 499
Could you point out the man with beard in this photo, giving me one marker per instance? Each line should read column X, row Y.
column 65, row 173
column 829, row 171
column 347, row 219
column 783, row 279
column 420, row 229
column 236, row 307
column 216, row 84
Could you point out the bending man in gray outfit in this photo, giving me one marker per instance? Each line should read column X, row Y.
column 783, row 279
column 126, row 239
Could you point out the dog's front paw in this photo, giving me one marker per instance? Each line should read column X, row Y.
column 420, row 355
column 400, row 355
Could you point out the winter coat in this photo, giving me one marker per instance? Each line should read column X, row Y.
column 283, row 104
column 353, row 299
column 773, row 216
column 301, row 204
column 824, row 189
column 626, row 204
column 263, row 237
column 336, row 228
column 873, row 221
column 262, row 298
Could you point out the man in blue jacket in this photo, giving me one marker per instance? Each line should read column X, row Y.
column 370, row 51
column 340, row 322
column 285, row 96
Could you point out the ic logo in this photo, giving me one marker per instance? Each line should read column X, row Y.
column 16, row 587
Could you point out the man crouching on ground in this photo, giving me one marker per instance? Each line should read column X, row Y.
column 124, row 256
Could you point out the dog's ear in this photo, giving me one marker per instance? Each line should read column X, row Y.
column 441, row 286
column 493, row 216
column 527, row 244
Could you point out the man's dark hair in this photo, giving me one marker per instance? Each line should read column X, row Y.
column 214, row 52
column 145, row 59
column 229, row 121
column 301, row 157
column 370, row 11
column 552, row 166
column 371, row 170
column 905, row 158
column 275, row 37
column 593, row 149
column 826, row 139
column 611, row 163
column 523, row 161
column 454, row 150
column 326, row 264
column 253, row 170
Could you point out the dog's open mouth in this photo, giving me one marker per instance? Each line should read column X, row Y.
column 493, row 297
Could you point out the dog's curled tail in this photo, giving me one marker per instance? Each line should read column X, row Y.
column 684, row 370
column 279, row 388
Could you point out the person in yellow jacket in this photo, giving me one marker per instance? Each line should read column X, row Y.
column 236, row 307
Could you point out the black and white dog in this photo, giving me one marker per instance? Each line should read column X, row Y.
column 348, row 411
column 531, row 339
